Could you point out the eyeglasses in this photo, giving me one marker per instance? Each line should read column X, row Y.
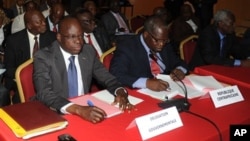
column 72, row 37
column 164, row 41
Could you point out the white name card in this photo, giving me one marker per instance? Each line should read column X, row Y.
column 226, row 96
column 159, row 122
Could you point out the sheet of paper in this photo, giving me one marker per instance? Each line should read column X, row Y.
column 204, row 82
column 162, row 95
column 180, row 88
column 105, row 95
column 2, row 71
column 108, row 108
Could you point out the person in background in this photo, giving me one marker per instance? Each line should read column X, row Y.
column 8, row 12
column 49, row 4
column 21, row 46
column 162, row 11
column 217, row 44
column 18, row 8
column 93, row 35
column 52, row 79
column 56, row 14
column 183, row 26
column 138, row 59
column 5, row 31
column 18, row 21
column 114, row 21
column 204, row 10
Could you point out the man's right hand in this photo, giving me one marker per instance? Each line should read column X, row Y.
column 157, row 84
column 89, row 113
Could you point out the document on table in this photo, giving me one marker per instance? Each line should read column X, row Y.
column 105, row 95
column 196, row 86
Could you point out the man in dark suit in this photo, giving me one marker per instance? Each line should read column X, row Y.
column 136, row 56
column 185, row 25
column 51, row 74
column 99, row 38
column 217, row 44
column 56, row 14
column 19, row 46
column 18, row 9
column 114, row 21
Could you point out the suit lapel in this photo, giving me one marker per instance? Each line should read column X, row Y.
column 61, row 67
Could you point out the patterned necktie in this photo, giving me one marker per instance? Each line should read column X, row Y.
column 54, row 28
column 36, row 47
column 155, row 68
column 72, row 78
column 91, row 43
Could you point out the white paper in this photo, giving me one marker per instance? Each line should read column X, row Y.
column 2, row 71
column 204, row 82
column 162, row 95
column 158, row 122
column 226, row 96
column 194, row 89
column 105, row 95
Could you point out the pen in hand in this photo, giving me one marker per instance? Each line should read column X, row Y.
column 90, row 103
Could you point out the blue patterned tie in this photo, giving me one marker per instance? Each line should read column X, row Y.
column 72, row 78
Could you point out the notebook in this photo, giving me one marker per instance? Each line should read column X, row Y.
column 31, row 119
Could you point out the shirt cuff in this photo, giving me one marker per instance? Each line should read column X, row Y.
column 115, row 93
column 182, row 69
column 140, row 83
column 63, row 109
column 237, row 62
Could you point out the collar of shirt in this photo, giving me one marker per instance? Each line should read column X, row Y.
column 32, row 41
column 221, row 35
column 51, row 25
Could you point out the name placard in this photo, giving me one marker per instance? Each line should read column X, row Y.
column 159, row 122
column 226, row 96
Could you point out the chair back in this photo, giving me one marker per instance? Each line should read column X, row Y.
column 136, row 22
column 139, row 30
column 187, row 47
column 107, row 56
column 24, row 80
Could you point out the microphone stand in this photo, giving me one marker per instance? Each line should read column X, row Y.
column 181, row 104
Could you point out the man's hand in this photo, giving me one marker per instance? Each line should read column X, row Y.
column 122, row 99
column 92, row 114
column 245, row 63
column 177, row 75
column 157, row 84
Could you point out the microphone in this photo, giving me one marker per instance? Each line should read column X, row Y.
column 181, row 104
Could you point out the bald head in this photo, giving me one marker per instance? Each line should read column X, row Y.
column 70, row 35
column 35, row 22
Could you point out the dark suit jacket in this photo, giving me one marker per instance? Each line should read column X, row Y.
column 15, row 11
column 111, row 24
column 18, row 51
column 130, row 61
column 102, row 38
column 180, row 30
column 7, row 32
column 50, row 74
column 208, row 49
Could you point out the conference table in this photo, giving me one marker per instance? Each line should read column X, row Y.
column 114, row 128
column 231, row 75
